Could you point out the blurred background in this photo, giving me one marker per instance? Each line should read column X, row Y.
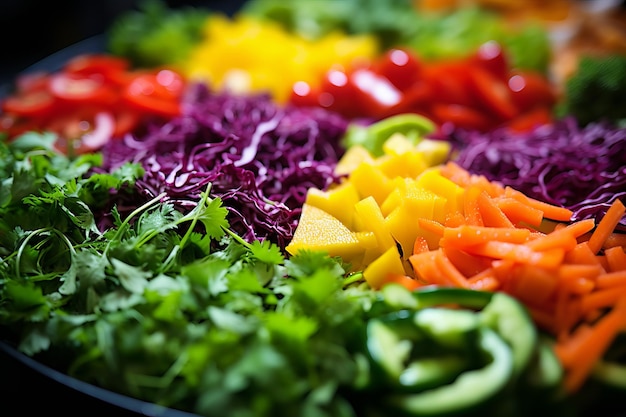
column 34, row 29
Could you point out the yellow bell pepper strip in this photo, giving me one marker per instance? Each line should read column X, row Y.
column 245, row 54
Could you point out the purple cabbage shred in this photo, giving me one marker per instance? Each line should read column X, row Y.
column 260, row 158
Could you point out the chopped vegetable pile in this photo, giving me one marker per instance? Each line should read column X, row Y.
column 322, row 208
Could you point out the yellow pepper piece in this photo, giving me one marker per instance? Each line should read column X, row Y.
column 338, row 201
column 369, row 218
column 246, row 54
column 388, row 263
column 371, row 181
column 433, row 181
column 321, row 231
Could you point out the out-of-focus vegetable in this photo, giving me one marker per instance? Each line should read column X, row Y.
column 259, row 157
column 479, row 91
column 91, row 100
column 452, row 33
column 155, row 34
column 596, row 91
column 245, row 54
column 392, row 22
column 580, row 168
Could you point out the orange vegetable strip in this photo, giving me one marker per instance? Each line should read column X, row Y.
column 572, row 271
column 612, row 279
column 606, row 226
column 520, row 253
column 534, row 285
column 519, row 212
column 420, row 245
column 425, row 268
column 579, row 285
column 466, row 263
column 449, row 271
column 593, row 344
column 431, row 226
column 615, row 239
column 491, row 214
column 467, row 235
column 567, row 347
column 404, row 280
column 470, row 206
column 581, row 254
column 615, row 258
column 484, row 281
column 602, row 298
column 454, row 219
column 564, row 237
column 550, row 211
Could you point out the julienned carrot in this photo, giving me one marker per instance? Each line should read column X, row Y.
column 607, row 225
column 612, row 279
column 549, row 211
column 564, row 237
column 492, row 215
column 420, row 245
column 591, row 344
column 520, row 213
column 470, row 206
column 468, row 235
column 616, row 258
column 571, row 275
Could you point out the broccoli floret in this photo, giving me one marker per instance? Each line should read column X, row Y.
column 597, row 91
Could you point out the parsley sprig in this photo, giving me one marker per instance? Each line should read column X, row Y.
column 168, row 307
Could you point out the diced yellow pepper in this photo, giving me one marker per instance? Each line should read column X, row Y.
column 369, row 218
column 432, row 180
column 354, row 156
column 388, row 263
column 370, row 181
column 338, row 201
column 321, row 231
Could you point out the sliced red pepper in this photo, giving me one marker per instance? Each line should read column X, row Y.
column 450, row 83
column 375, row 94
column 81, row 88
column 491, row 57
column 531, row 119
column 29, row 104
column 401, row 67
column 529, row 89
column 461, row 116
column 157, row 93
column 109, row 66
column 493, row 93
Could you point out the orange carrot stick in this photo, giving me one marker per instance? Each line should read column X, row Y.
column 467, row 235
column 491, row 214
column 592, row 345
column 612, row 279
column 615, row 258
column 550, row 211
column 470, row 206
column 520, row 213
column 603, row 298
column 520, row 253
column 449, row 271
column 564, row 237
column 606, row 226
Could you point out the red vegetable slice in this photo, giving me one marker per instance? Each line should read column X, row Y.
column 84, row 89
column 493, row 93
column 29, row 104
column 158, row 93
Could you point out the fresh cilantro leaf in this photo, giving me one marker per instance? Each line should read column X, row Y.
column 266, row 252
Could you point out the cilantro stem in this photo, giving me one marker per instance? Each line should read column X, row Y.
column 351, row 279
column 194, row 219
column 122, row 228
column 37, row 232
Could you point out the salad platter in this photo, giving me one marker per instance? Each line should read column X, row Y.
column 321, row 208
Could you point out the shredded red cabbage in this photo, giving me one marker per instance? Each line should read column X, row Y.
column 580, row 168
column 260, row 158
